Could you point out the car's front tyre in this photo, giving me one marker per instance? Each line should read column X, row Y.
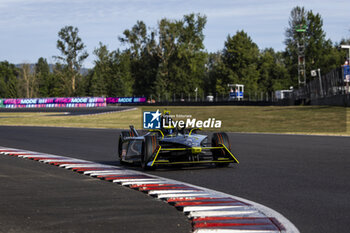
column 122, row 135
column 150, row 146
column 217, row 140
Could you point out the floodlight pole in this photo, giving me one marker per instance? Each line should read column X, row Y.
column 301, row 55
column 348, row 48
column 320, row 80
column 196, row 90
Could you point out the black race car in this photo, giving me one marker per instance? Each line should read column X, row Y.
column 174, row 146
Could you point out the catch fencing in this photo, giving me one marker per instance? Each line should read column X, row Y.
column 330, row 89
column 331, row 84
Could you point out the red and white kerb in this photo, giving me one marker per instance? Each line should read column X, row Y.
column 208, row 210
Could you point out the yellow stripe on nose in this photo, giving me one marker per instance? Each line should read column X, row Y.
column 196, row 150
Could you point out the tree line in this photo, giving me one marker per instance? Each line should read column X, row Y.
column 171, row 61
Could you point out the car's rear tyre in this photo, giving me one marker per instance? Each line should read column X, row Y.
column 219, row 139
column 150, row 145
column 122, row 135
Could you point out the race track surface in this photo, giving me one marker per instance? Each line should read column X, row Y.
column 305, row 178
column 42, row 199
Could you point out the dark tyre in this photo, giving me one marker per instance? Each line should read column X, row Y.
column 150, row 145
column 219, row 139
column 122, row 135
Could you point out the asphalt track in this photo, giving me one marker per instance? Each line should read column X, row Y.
column 305, row 178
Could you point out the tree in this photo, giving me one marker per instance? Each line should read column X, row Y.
column 137, row 38
column 170, row 59
column 44, row 77
column 181, row 66
column 62, row 85
column 28, row 81
column 219, row 75
column 143, row 62
column 8, row 80
column 319, row 52
column 213, row 61
column 97, row 84
column 240, row 55
column 317, row 47
column 120, row 81
column 168, row 32
column 273, row 73
column 111, row 75
column 72, row 54
column 191, row 55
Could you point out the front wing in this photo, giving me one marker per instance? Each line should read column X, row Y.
column 196, row 155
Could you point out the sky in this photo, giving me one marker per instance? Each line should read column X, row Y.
column 29, row 28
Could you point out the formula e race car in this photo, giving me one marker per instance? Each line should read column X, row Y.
column 174, row 146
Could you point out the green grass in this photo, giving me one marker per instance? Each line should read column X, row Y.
column 293, row 119
column 108, row 120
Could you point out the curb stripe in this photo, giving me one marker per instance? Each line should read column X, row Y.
column 209, row 210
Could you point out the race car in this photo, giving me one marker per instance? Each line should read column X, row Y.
column 174, row 146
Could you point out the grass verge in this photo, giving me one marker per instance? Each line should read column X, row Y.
column 271, row 119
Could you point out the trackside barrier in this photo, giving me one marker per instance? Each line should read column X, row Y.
column 125, row 100
column 55, row 102
column 208, row 210
column 68, row 102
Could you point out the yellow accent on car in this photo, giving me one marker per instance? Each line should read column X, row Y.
column 176, row 149
column 194, row 162
column 190, row 148
column 162, row 161
column 212, row 147
column 157, row 130
column 230, row 153
column 194, row 129
column 196, row 150
column 156, row 156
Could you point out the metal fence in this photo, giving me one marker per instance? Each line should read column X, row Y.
column 209, row 97
column 320, row 88
column 328, row 85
